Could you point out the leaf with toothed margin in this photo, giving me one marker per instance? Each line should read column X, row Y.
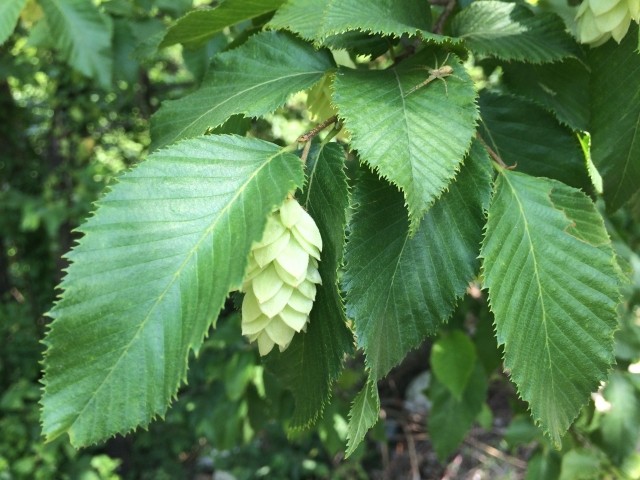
column 554, row 288
column 253, row 79
column 316, row 20
column 417, row 140
column 314, row 359
column 513, row 32
column 363, row 415
column 401, row 288
column 157, row 260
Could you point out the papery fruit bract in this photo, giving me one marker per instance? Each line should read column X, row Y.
column 281, row 277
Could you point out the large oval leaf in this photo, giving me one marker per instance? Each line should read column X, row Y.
column 149, row 277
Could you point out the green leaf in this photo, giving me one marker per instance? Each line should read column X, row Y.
column 615, row 118
column 363, row 415
column 531, row 139
column 561, row 88
column 451, row 418
column 314, row 359
column 9, row 15
column 197, row 27
column 581, row 464
column 149, row 277
column 415, row 140
column 83, row 36
column 401, row 288
column 553, row 287
column 453, row 358
column 620, row 425
column 317, row 19
column 253, row 80
column 513, row 32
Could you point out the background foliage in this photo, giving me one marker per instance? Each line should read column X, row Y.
column 80, row 85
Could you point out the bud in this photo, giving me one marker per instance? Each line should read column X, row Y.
column 599, row 20
column 281, row 277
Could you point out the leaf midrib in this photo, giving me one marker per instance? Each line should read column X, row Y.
column 242, row 92
column 176, row 275
column 536, row 274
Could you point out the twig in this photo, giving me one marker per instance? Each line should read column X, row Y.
column 494, row 452
column 496, row 158
column 317, row 129
column 446, row 13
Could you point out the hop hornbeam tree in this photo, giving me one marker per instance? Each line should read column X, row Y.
column 455, row 144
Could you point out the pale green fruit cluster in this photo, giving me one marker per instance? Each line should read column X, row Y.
column 600, row 20
column 281, row 278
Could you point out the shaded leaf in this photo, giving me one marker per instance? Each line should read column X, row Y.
column 317, row 19
column 198, row 26
column 581, row 464
column 453, row 358
column 513, row 32
column 83, row 36
column 401, row 288
column 553, row 287
column 253, row 79
column 620, row 425
column 9, row 14
column 150, row 275
column 451, row 418
column 363, row 415
column 561, row 87
column 314, row 359
column 530, row 138
column 416, row 140
column 615, row 118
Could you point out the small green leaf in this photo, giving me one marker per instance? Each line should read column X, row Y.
column 414, row 282
column 156, row 262
column 197, row 27
column 453, row 358
column 553, row 287
column 253, row 79
column 315, row 20
column 363, row 415
column 415, row 140
column 581, row 464
column 9, row 15
column 561, row 87
column 513, row 32
column 615, row 118
column 314, row 359
column 620, row 425
column 450, row 417
column 83, row 36
column 531, row 139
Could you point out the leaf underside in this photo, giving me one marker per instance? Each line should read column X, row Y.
column 314, row 359
column 415, row 140
column 198, row 26
column 401, row 288
column 316, row 20
column 253, row 79
column 156, row 262
column 553, row 287
column 512, row 32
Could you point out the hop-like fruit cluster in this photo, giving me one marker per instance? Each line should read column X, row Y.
column 281, row 278
column 600, row 20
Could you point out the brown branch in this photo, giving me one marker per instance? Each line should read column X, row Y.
column 446, row 13
column 317, row 129
column 496, row 158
